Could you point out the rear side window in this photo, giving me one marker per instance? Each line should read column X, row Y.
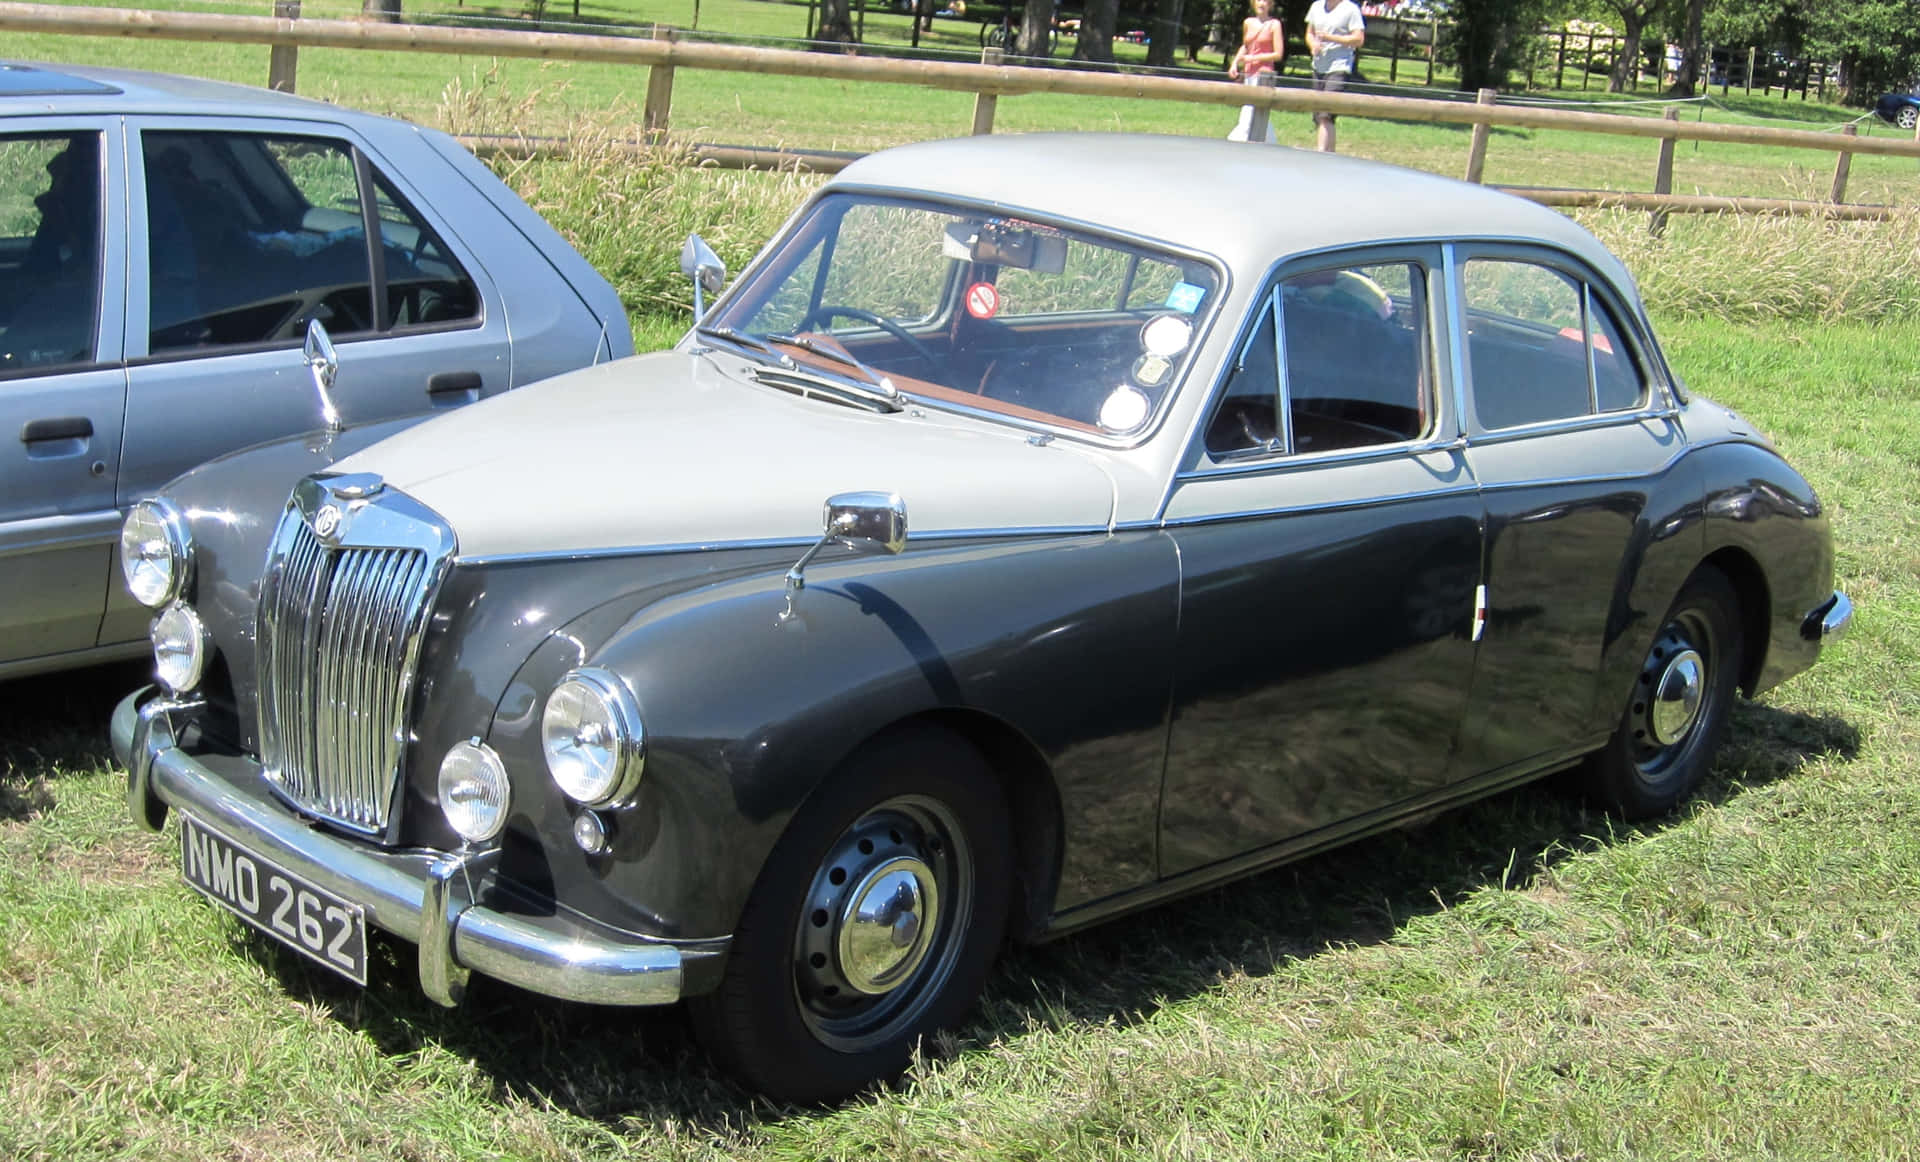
column 1542, row 347
column 49, row 251
column 250, row 236
column 1353, row 342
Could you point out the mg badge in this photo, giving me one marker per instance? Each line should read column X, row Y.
column 326, row 522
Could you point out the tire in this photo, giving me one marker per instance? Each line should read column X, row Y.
column 1664, row 745
column 817, row 1003
column 1906, row 117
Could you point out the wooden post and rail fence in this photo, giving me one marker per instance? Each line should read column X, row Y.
column 990, row 80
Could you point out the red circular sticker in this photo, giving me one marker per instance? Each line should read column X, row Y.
column 983, row 300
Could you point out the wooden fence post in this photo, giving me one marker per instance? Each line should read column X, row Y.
column 283, row 60
column 659, row 107
column 1663, row 175
column 984, row 103
column 1839, row 192
column 1477, row 151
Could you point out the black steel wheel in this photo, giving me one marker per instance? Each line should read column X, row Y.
column 1678, row 708
column 873, row 923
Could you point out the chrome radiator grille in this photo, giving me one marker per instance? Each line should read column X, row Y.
column 339, row 634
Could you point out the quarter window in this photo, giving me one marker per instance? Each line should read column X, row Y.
column 250, row 236
column 49, row 251
column 1354, row 340
column 1542, row 347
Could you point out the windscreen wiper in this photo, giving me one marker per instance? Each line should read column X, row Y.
column 841, row 356
column 733, row 336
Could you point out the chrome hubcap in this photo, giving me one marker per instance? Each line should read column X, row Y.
column 888, row 922
column 1676, row 697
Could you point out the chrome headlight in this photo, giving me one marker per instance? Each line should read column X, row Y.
column 473, row 791
column 592, row 737
column 180, row 647
column 156, row 553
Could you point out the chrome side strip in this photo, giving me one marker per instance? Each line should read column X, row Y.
column 1324, row 506
column 767, row 543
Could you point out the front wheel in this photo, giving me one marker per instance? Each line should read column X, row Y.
column 1679, row 705
column 873, row 923
column 1906, row 117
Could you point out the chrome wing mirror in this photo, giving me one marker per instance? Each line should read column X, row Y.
column 324, row 364
column 699, row 263
column 869, row 523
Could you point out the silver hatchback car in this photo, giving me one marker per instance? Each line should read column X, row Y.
column 165, row 244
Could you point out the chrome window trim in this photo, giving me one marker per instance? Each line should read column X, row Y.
column 1661, row 397
column 1464, row 419
column 1322, row 506
column 1341, row 257
column 1571, row 424
column 1202, row 328
column 1254, row 464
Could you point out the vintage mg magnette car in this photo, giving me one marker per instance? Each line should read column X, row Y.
column 1259, row 500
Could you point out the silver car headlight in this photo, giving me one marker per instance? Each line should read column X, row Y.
column 180, row 647
column 156, row 553
column 473, row 791
column 592, row 737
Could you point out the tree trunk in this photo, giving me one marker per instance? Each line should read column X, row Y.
column 1036, row 22
column 1628, row 62
column 836, row 24
column 1164, row 39
column 1687, row 80
column 1096, row 32
column 387, row 11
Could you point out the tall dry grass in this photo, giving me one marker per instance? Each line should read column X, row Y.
column 628, row 212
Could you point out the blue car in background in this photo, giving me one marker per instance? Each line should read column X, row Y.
column 1902, row 109
column 165, row 246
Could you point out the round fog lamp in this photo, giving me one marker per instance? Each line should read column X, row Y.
column 473, row 791
column 590, row 834
column 180, row 647
column 155, row 552
column 592, row 738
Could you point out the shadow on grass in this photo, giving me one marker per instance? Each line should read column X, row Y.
column 633, row 1069
column 57, row 723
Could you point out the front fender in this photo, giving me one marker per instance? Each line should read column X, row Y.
column 749, row 703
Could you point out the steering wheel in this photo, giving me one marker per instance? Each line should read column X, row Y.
column 823, row 314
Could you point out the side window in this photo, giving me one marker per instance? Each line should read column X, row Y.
column 249, row 236
column 425, row 283
column 1540, row 348
column 1247, row 418
column 49, row 251
column 1356, row 356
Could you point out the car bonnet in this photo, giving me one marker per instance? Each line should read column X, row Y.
column 674, row 450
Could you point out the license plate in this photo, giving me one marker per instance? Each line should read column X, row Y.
column 304, row 916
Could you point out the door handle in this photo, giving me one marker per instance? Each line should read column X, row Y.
column 453, row 387
column 60, row 428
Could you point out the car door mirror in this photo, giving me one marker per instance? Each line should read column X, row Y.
column 324, row 363
column 869, row 523
column 699, row 263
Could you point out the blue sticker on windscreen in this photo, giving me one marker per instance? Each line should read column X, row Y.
column 1185, row 297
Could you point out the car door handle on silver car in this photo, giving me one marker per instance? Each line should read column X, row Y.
column 58, row 436
column 453, row 388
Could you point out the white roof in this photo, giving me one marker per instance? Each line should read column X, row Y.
column 1249, row 204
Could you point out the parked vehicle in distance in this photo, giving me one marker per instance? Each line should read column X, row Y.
column 1902, row 109
column 1235, row 535
column 164, row 243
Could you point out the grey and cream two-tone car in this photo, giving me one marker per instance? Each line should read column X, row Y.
column 1188, row 508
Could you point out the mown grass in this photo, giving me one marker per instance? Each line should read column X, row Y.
column 1524, row 978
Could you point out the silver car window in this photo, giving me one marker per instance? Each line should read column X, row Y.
column 49, row 250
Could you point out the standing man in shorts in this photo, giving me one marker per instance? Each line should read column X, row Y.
column 1335, row 31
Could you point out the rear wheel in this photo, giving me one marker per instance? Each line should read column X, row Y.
column 873, row 923
column 1679, row 705
column 1906, row 117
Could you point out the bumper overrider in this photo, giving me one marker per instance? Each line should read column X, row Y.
column 424, row 896
column 1830, row 620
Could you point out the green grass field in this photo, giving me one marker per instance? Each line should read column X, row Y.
column 1524, row 978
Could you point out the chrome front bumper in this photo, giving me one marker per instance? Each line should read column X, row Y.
column 423, row 896
column 1830, row 621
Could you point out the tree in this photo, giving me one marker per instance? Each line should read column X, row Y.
column 1687, row 78
column 836, row 24
column 1036, row 26
column 1634, row 16
column 383, row 10
column 1876, row 43
column 1163, row 42
column 1096, row 32
column 1488, row 36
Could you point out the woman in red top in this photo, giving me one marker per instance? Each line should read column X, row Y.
column 1260, row 47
